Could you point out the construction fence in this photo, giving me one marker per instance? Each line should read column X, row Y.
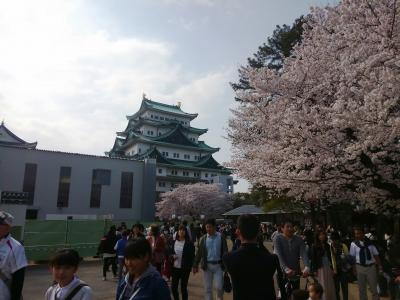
column 42, row 238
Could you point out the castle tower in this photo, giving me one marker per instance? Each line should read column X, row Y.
column 163, row 132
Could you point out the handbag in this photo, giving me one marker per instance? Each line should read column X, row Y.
column 227, row 283
column 167, row 267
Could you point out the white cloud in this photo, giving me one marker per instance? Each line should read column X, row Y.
column 70, row 89
column 69, row 86
column 209, row 3
column 200, row 93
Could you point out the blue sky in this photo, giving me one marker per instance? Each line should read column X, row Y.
column 70, row 71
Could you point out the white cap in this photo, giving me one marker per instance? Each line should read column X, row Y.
column 6, row 218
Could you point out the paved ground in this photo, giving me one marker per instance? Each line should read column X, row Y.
column 38, row 279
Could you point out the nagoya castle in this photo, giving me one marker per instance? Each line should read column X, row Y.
column 163, row 132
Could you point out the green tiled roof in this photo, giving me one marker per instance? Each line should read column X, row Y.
column 161, row 107
column 165, row 107
column 207, row 162
column 203, row 145
column 132, row 125
column 154, row 153
column 174, row 138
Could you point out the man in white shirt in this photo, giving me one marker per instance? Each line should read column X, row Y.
column 12, row 261
column 366, row 257
column 212, row 247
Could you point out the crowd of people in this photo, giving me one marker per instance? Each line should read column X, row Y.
column 155, row 262
column 327, row 258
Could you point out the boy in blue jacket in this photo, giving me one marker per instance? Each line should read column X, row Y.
column 119, row 249
column 143, row 281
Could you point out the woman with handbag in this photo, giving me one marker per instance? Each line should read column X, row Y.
column 341, row 265
column 183, row 252
column 158, row 247
column 321, row 264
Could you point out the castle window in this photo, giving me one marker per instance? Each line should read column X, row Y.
column 156, row 117
column 29, row 181
column 125, row 198
column 100, row 177
column 63, row 186
column 159, row 171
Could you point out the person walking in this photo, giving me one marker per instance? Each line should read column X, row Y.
column 137, row 232
column 182, row 254
column 321, row 264
column 106, row 248
column 189, row 232
column 142, row 281
column 289, row 249
column 158, row 246
column 212, row 246
column 119, row 248
column 367, row 259
column 12, row 261
column 251, row 267
column 64, row 265
column 340, row 265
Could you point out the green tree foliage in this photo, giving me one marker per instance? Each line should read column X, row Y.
column 272, row 53
column 260, row 196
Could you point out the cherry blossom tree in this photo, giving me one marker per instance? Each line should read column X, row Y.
column 194, row 200
column 326, row 126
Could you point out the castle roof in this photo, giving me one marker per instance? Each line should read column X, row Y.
column 135, row 124
column 207, row 162
column 148, row 104
column 174, row 138
column 8, row 138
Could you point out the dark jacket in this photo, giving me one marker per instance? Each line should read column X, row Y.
column 187, row 254
column 201, row 255
column 252, row 270
column 150, row 286
column 107, row 244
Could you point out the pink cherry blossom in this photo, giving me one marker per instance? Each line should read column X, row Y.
column 194, row 200
column 327, row 124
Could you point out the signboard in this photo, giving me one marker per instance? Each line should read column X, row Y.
column 12, row 197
